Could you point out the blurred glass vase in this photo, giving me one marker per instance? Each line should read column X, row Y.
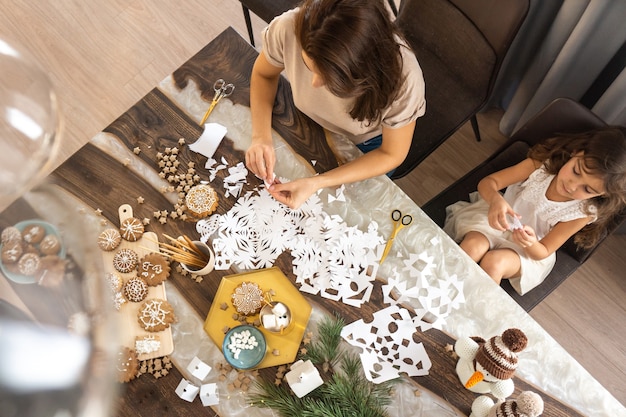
column 29, row 121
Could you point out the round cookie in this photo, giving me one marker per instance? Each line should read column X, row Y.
column 29, row 264
column 156, row 315
column 154, row 268
column 201, row 200
column 11, row 252
column 135, row 290
column 127, row 365
column 50, row 245
column 109, row 239
column 131, row 229
column 248, row 298
column 125, row 260
column 33, row 233
column 11, row 234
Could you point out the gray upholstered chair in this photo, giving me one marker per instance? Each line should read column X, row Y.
column 460, row 45
column 269, row 9
column 560, row 116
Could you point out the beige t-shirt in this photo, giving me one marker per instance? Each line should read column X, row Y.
column 282, row 49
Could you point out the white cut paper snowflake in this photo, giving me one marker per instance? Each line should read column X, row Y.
column 388, row 345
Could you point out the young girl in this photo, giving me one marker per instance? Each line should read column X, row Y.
column 567, row 184
column 352, row 73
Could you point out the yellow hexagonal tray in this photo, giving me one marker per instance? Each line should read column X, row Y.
column 288, row 344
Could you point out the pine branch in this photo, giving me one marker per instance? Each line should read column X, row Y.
column 347, row 394
column 325, row 349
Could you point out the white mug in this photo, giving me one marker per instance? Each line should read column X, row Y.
column 210, row 264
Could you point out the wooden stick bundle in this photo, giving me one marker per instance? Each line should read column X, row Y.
column 183, row 251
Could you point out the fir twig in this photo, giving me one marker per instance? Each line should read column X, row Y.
column 347, row 394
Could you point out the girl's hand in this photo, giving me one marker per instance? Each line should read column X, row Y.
column 293, row 194
column 525, row 237
column 260, row 159
column 498, row 209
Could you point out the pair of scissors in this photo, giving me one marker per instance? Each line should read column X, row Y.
column 221, row 90
column 399, row 221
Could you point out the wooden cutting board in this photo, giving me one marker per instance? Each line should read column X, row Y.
column 129, row 326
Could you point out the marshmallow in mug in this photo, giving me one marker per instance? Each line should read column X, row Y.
column 279, row 317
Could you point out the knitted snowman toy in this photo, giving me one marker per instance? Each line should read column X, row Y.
column 527, row 404
column 486, row 367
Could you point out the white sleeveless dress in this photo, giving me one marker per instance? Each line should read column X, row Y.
column 527, row 198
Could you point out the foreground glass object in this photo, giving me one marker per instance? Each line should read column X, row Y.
column 58, row 330
column 29, row 122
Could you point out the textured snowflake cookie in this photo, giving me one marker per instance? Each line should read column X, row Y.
column 33, row 233
column 135, row 290
column 248, row 298
column 11, row 234
column 29, row 264
column 156, row 315
column 154, row 268
column 131, row 229
column 109, row 239
column 114, row 282
column 127, row 365
column 201, row 200
column 125, row 260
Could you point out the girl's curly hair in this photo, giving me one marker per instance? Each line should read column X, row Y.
column 604, row 155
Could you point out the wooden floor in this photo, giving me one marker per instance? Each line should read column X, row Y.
column 103, row 56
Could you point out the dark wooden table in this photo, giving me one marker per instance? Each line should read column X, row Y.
column 102, row 182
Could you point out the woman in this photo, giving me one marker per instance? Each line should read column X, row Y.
column 351, row 72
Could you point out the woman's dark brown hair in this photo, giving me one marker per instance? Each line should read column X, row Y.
column 604, row 155
column 353, row 45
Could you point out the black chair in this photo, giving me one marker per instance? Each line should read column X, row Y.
column 460, row 45
column 560, row 116
column 269, row 9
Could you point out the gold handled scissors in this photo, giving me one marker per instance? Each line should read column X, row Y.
column 221, row 90
column 399, row 221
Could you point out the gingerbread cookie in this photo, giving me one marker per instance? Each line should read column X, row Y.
column 11, row 252
column 11, row 234
column 248, row 298
column 131, row 229
column 109, row 239
column 125, row 260
column 29, row 264
column 50, row 245
column 33, row 233
column 154, row 268
column 127, row 365
column 156, row 315
column 201, row 200
column 135, row 290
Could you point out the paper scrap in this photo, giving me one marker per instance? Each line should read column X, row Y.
column 210, row 139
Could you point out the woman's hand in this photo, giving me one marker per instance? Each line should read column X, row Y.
column 260, row 159
column 293, row 194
